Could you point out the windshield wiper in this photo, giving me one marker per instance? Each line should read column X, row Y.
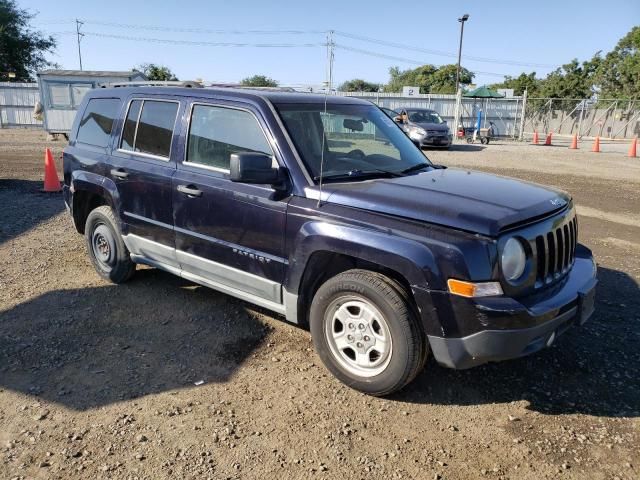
column 422, row 166
column 360, row 174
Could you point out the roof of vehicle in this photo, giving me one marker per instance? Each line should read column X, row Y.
column 241, row 93
column 90, row 73
column 418, row 109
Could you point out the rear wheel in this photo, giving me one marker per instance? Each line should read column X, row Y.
column 366, row 332
column 107, row 250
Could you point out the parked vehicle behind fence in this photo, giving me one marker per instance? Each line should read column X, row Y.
column 322, row 210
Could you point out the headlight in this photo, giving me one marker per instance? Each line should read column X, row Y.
column 417, row 132
column 513, row 259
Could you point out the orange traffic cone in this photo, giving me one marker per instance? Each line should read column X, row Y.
column 596, row 145
column 535, row 137
column 632, row 148
column 51, row 180
column 574, row 142
column 547, row 142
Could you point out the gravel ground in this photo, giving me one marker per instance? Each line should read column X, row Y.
column 103, row 381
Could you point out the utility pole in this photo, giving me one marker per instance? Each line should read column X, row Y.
column 462, row 19
column 79, row 37
column 330, row 57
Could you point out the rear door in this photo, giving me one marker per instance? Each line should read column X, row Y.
column 230, row 234
column 142, row 167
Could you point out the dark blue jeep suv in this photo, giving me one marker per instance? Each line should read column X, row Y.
column 321, row 209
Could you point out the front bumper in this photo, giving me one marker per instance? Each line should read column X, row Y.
column 436, row 141
column 507, row 328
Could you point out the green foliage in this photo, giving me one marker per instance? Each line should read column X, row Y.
column 429, row 78
column 22, row 50
column 618, row 74
column 359, row 85
column 259, row 81
column 524, row 81
column 156, row 72
column 572, row 80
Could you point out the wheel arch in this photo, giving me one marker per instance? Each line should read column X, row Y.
column 325, row 250
column 89, row 192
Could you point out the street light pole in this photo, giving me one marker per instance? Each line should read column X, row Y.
column 462, row 19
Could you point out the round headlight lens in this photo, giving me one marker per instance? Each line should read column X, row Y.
column 513, row 259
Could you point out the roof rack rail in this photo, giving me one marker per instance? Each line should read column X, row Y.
column 154, row 83
column 248, row 87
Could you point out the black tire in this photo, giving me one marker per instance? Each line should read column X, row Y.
column 409, row 348
column 107, row 251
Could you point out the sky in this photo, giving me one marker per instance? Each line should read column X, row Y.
column 542, row 34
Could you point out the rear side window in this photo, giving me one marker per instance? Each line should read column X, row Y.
column 149, row 127
column 97, row 121
column 217, row 132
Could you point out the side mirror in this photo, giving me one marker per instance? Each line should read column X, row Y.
column 253, row 167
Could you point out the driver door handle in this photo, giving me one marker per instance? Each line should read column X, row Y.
column 119, row 173
column 190, row 190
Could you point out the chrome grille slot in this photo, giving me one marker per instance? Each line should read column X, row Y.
column 555, row 251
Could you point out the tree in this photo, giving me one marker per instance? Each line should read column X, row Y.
column 258, row 81
column 22, row 50
column 429, row 78
column 618, row 73
column 524, row 81
column 359, row 85
column 156, row 72
column 572, row 80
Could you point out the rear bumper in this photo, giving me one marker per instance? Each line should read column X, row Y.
column 520, row 328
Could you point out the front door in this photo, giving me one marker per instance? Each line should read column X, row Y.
column 230, row 234
column 141, row 167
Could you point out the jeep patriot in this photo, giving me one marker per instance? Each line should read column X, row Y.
column 321, row 209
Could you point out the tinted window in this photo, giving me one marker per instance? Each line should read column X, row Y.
column 129, row 131
column 217, row 132
column 155, row 128
column 97, row 121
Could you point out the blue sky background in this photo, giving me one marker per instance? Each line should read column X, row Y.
column 542, row 32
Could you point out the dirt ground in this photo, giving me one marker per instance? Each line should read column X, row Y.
column 102, row 381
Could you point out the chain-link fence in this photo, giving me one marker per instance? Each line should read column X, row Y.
column 606, row 118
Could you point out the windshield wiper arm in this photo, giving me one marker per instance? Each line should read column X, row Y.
column 415, row 168
column 422, row 166
column 359, row 174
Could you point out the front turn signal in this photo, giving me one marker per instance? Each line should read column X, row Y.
column 471, row 289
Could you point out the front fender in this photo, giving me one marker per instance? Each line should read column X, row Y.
column 413, row 260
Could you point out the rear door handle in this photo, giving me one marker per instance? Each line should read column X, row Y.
column 119, row 173
column 190, row 190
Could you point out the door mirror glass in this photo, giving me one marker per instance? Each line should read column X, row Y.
column 253, row 167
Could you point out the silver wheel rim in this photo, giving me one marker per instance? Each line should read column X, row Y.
column 358, row 336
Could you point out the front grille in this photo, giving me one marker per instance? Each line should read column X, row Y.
column 555, row 251
column 439, row 133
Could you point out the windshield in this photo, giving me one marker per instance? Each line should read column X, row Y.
column 424, row 116
column 358, row 140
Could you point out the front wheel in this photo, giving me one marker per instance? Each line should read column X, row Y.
column 107, row 251
column 366, row 332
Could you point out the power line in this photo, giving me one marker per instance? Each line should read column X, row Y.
column 202, row 43
column 441, row 52
column 401, row 59
column 205, row 30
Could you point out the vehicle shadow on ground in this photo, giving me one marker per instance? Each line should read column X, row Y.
column 34, row 208
column 91, row 347
column 590, row 370
column 463, row 147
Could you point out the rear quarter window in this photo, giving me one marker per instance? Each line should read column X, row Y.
column 97, row 121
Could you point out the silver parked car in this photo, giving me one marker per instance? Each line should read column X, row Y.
column 425, row 127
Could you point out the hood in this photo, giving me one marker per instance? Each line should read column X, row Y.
column 439, row 127
column 461, row 199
